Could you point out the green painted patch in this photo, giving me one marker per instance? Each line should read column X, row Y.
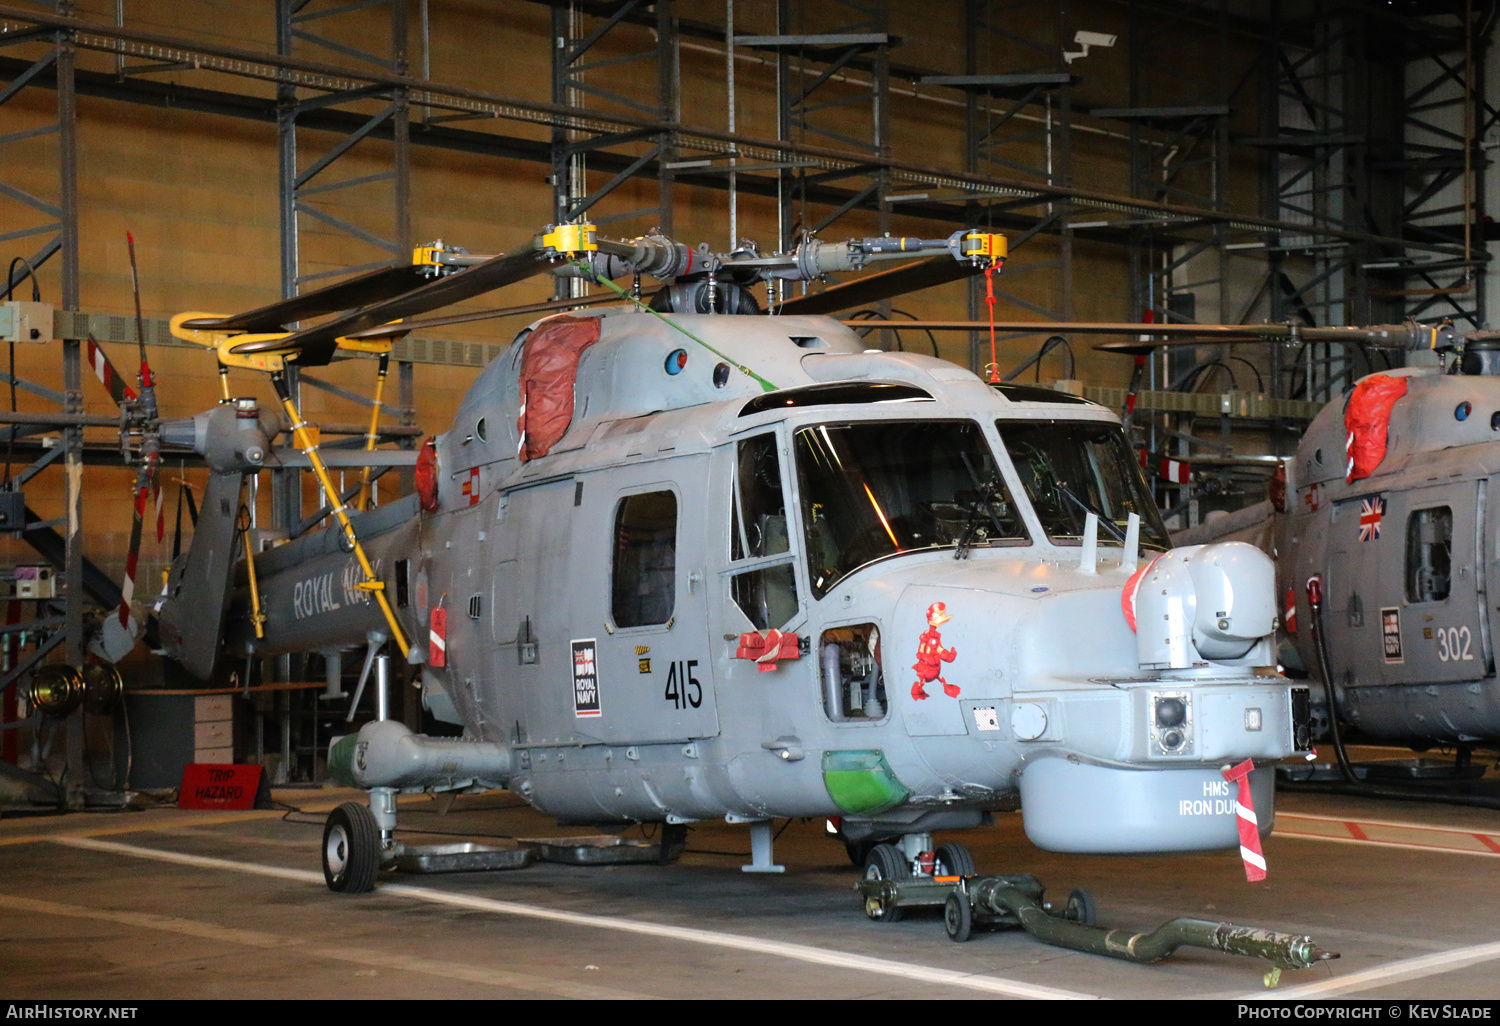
column 860, row 782
column 341, row 760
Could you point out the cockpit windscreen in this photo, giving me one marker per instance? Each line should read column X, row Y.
column 874, row 489
column 1072, row 468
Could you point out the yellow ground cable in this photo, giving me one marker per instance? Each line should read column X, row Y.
column 370, row 584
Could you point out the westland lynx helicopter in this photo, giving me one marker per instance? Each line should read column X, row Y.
column 1387, row 542
column 1390, row 520
column 679, row 562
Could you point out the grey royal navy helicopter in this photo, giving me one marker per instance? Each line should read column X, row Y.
column 1388, row 514
column 680, row 562
column 1386, row 539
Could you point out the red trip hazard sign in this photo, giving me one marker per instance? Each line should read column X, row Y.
column 218, row 787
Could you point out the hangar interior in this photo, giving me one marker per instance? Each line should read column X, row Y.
column 1305, row 162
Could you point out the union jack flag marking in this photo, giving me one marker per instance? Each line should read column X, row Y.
column 1370, row 512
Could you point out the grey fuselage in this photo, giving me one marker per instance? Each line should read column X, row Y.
column 668, row 720
column 1408, row 559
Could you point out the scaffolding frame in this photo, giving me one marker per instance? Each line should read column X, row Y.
column 1343, row 238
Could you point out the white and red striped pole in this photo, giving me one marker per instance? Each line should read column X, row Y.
column 1244, row 810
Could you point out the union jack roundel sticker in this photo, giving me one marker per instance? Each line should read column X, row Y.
column 1371, row 511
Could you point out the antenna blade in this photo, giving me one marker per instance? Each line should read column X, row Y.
column 1132, row 554
column 1088, row 560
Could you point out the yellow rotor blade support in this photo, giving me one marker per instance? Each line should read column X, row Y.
column 221, row 341
column 257, row 614
column 371, row 583
column 363, row 501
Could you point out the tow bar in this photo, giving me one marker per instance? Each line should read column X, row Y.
column 1016, row 900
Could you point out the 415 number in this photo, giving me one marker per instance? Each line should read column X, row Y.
column 683, row 687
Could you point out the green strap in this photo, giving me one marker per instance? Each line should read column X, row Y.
column 764, row 384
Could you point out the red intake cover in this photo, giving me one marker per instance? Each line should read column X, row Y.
column 1366, row 418
column 427, row 475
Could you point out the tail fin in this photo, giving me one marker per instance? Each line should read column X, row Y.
column 198, row 587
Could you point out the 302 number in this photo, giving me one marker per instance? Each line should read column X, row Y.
column 1453, row 644
column 683, row 687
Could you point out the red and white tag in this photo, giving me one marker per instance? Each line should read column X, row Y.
column 1244, row 810
column 437, row 638
column 1176, row 472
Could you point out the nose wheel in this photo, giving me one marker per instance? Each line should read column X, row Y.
column 953, row 859
column 351, row 849
column 885, row 862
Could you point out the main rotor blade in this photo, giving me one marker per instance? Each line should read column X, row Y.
column 1218, row 332
column 1376, row 336
column 872, row 288
column 315, row 346
column 1373, row 336
column 407, row 327
column 362, row 289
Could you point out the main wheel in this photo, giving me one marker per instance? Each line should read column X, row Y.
column 954, row 860
column 1081, row 907
column 885, row 862
column 958, row 916
column 351, row 849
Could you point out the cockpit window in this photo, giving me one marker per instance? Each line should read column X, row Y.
column 1072, row 468
column 875, row 489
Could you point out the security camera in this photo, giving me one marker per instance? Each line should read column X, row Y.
column 1088, row 39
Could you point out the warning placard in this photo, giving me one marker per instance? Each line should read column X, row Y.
column 1390, row 633
column 209, row 786
column 585, row 678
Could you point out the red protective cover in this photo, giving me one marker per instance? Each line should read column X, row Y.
column 1127, row 594
column 1276, row 489
column 549, row 367
column 210, row 786
column 766, row 647
column 1366, row 418
column 427, row 475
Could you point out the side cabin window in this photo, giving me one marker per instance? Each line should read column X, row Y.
column 1429, row 554
column 759, row 514
column 766, row 594
column 643, row 584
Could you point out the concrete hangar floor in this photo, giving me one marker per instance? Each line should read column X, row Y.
column 167, row 903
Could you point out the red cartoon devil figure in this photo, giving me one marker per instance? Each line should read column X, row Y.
column 931, row 654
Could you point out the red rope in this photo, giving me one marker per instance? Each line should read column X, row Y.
column 989, row 298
